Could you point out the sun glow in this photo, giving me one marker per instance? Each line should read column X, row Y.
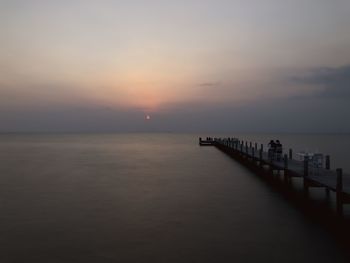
column 146, row 94
column 147, row 82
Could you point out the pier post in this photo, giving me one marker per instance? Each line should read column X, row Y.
column 306, row 166
column 250, row 145
column 242, row 147
column 328, row 162
column 285, row 172
column 339, row 190
column 260, row 157
column 253, row 153
column 328, row 193
column 290, row 154
column 256, row 147
column 285, row 162
column 306, row 173
column 262, row 147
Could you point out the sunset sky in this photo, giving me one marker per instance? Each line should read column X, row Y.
column 209, row 65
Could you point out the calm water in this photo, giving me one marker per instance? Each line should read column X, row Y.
column 150, row 198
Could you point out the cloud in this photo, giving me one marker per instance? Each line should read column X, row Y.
column 333, row 82
column 305, row 114
column 321, row 109
column 209, row 84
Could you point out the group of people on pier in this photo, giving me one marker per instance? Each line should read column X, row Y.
column 275, row 150
column 208, row 139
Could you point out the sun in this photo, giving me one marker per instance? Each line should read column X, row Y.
column 148, row 117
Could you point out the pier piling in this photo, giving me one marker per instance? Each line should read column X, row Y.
column 306, row 166
column 260, row 156
column 285, row 162
column 339, row 191
column 328, row 162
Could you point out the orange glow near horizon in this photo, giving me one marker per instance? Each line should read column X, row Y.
column 141, row 88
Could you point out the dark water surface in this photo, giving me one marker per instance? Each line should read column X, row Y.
column 144, row 198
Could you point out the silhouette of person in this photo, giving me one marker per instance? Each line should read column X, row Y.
column 272, row 149
column 278, row 150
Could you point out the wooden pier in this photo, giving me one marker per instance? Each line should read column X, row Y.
column 258, row 158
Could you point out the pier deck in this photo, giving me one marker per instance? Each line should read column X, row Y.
column 331, row 180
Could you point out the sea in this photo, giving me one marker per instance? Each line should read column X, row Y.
column 153, row 198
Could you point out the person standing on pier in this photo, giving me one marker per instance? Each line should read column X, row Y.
column 279, row 150
column 272, row 150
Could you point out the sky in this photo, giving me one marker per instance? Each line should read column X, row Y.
column 191, row 66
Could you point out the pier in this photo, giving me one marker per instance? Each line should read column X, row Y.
column 255, row 157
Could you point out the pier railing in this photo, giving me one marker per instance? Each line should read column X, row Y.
column 313, row 176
